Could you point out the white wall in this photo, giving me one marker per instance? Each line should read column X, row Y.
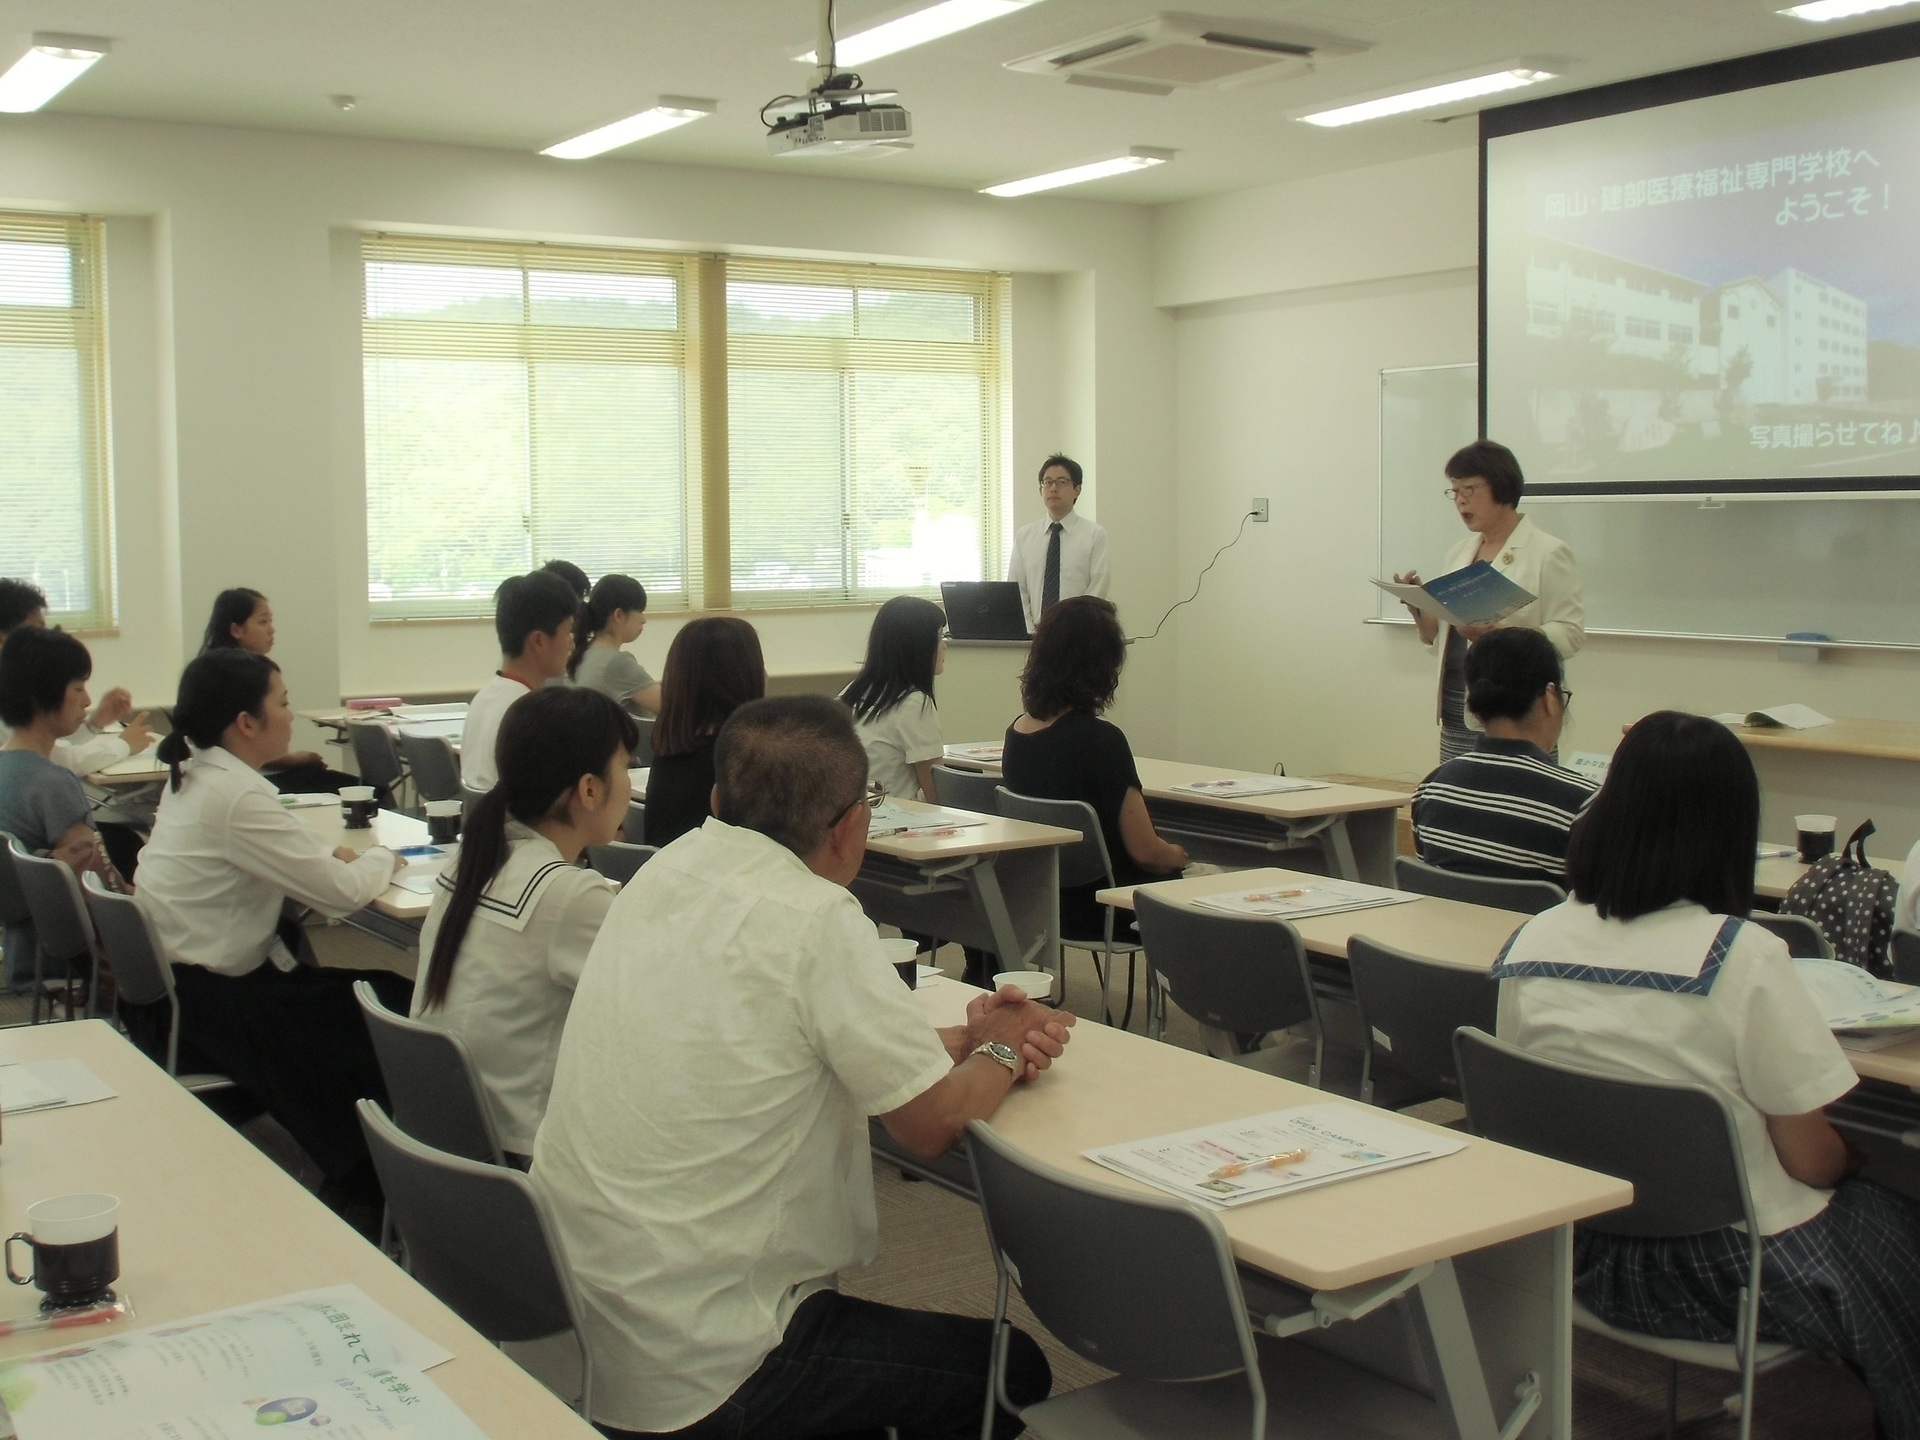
column 1289, row 301
column 235, row 361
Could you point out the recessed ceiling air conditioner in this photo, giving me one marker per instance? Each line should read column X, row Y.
column 1164, row 53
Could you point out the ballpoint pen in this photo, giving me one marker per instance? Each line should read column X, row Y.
column 1266, row 1162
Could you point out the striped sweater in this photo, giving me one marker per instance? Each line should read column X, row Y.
column 1503, row 809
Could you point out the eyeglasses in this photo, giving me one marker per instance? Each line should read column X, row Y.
column 875, row 797
column 1464, row 492
column 1566, row 696
column 1056, row 484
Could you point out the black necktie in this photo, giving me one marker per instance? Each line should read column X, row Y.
column 1050, row 587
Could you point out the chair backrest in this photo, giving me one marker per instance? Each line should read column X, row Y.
column 13, row 900
column 1527, row 897
column 1905, row 951
column 620, row 861
column 140, row 976
column 375, row 755
column 1409, row 1009
column 643, row 751
column 1141, row 1284
column 433, row 765
column 431, row 1082
column 1085, row 862
column 1805, row 940
column 966, row 790
column 469, row 797
column 1675, row 1143
column 633, row 830
column 1234, row 972
column 54, row 903
column 478, row 1236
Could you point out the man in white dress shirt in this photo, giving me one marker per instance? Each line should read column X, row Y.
column 705, row 1145
column 1063, row 555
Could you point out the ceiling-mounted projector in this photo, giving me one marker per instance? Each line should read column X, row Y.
column 839, row 114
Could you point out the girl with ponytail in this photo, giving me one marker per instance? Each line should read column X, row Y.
column 616, row 614
column 512, row 923
column 224, row 859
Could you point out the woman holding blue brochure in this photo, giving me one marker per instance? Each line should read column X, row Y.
column 1484, row 485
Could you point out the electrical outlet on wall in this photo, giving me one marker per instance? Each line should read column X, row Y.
column 1259, row 509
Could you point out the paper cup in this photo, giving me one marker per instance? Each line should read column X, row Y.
column 73, row 1219
column 1815, row 836
column 902, row 955
column 1034, row 984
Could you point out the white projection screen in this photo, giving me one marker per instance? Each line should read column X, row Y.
column 1710, row 281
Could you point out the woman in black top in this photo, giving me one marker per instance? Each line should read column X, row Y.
column 714, row 666
column 1061, row 749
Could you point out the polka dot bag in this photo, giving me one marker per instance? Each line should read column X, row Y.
column 1851, row 901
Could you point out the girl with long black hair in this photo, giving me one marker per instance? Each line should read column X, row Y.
column 616, row 613
column 512, row 923
column 892, row 696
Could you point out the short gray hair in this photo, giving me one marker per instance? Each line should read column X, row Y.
column 789, row 767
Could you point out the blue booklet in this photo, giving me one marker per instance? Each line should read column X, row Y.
column 1475, row 595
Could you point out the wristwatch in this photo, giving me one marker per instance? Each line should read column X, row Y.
column 994, row 1050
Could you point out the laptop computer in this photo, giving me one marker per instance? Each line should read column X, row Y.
column 983, row 610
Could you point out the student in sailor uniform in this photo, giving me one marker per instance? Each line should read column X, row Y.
column 512, row 923
column 1651, row 970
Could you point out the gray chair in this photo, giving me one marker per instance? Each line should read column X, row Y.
column 63, row 933
column 1905, row 953
column 1805, row 940
column 966, row 790
column 643, row 751
column 376, row 757
column 141, row 974
column 481, row 1239
column 432, row 764
column 469, row 797
column 633, row 830
column 1409, row 1009
column 620, row 861
column 1236, row 973
column 13, row 900
column 1526, row 897
column 1677, row 1144
column 1084, row 862
column 436, row 1093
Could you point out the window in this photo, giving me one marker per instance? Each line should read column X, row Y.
column 55, row 474
column 1641, row 328
column 863, row 429
column 526, row 402
column 550, row 398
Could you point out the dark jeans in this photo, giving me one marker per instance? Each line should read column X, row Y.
column 853, row 1368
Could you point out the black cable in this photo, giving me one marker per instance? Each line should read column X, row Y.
column 1199, row 579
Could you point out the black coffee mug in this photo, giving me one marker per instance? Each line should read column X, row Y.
column 76, row 1271
column 1814, row 834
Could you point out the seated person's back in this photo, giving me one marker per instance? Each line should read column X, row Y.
column 705, row 1144
column 1504, row 809
column 533, row 618
column 892, row 696
column 512, row 923
column 714, row 666
column 1061, row 748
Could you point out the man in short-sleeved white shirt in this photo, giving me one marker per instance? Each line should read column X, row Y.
column 533, row 615
column 705, row 1147
column 1082, row 567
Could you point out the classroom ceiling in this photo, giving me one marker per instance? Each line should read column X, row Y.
column 517, row 75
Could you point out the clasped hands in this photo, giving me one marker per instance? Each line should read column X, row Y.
column 1035, row 1032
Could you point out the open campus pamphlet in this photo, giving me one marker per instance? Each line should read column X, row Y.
column 1855, row 1004
column 1475, row 595
column 1342, row 1141
column 891, row 819
column 329, row 1363
column 1777, row 717
column 1297, row 900
column 984, row 753
column 1239, row 787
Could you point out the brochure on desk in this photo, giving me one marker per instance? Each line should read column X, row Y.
column 1776, row 717
column 891, row 819
column 1475, row 595
column 1341, row 1141
column 1849, row 999
column 1309, row 897
column 330, row 1362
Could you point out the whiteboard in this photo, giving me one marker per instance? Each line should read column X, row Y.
column 1756, row 568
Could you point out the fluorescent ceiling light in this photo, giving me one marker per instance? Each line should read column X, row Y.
column 54, row 62
column 672, row 112
column 1426, row 99
column 1141, row 157
column 1823, row 10
column 935, row 22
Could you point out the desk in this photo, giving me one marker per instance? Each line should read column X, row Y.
column 146, row 768
column 1502, row 1217
column 1772, row 878
column 1351, row 826
column 209, row 1222
column 1852, row 768
column 396, row 913
column 994, row 886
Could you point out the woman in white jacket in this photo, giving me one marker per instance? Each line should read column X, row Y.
column 1485, row 485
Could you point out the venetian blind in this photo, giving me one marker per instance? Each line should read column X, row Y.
column 55, row 476
column 864, row 428
column 526, row 403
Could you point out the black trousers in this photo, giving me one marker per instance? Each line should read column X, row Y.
column 295, row 1041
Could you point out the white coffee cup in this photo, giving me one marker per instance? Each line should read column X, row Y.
column 899, row 951
column 73, row 1219
column 1034, row 984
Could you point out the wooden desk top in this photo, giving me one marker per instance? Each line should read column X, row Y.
column 390, row 828
column 1898, row 1064
column 207, row 1222
column 1113, row 1086
column 1774, row 877
column 146, row 768
column 995, row 836
column 1449, row 932
column 1861, row 739
column 1158, row 779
